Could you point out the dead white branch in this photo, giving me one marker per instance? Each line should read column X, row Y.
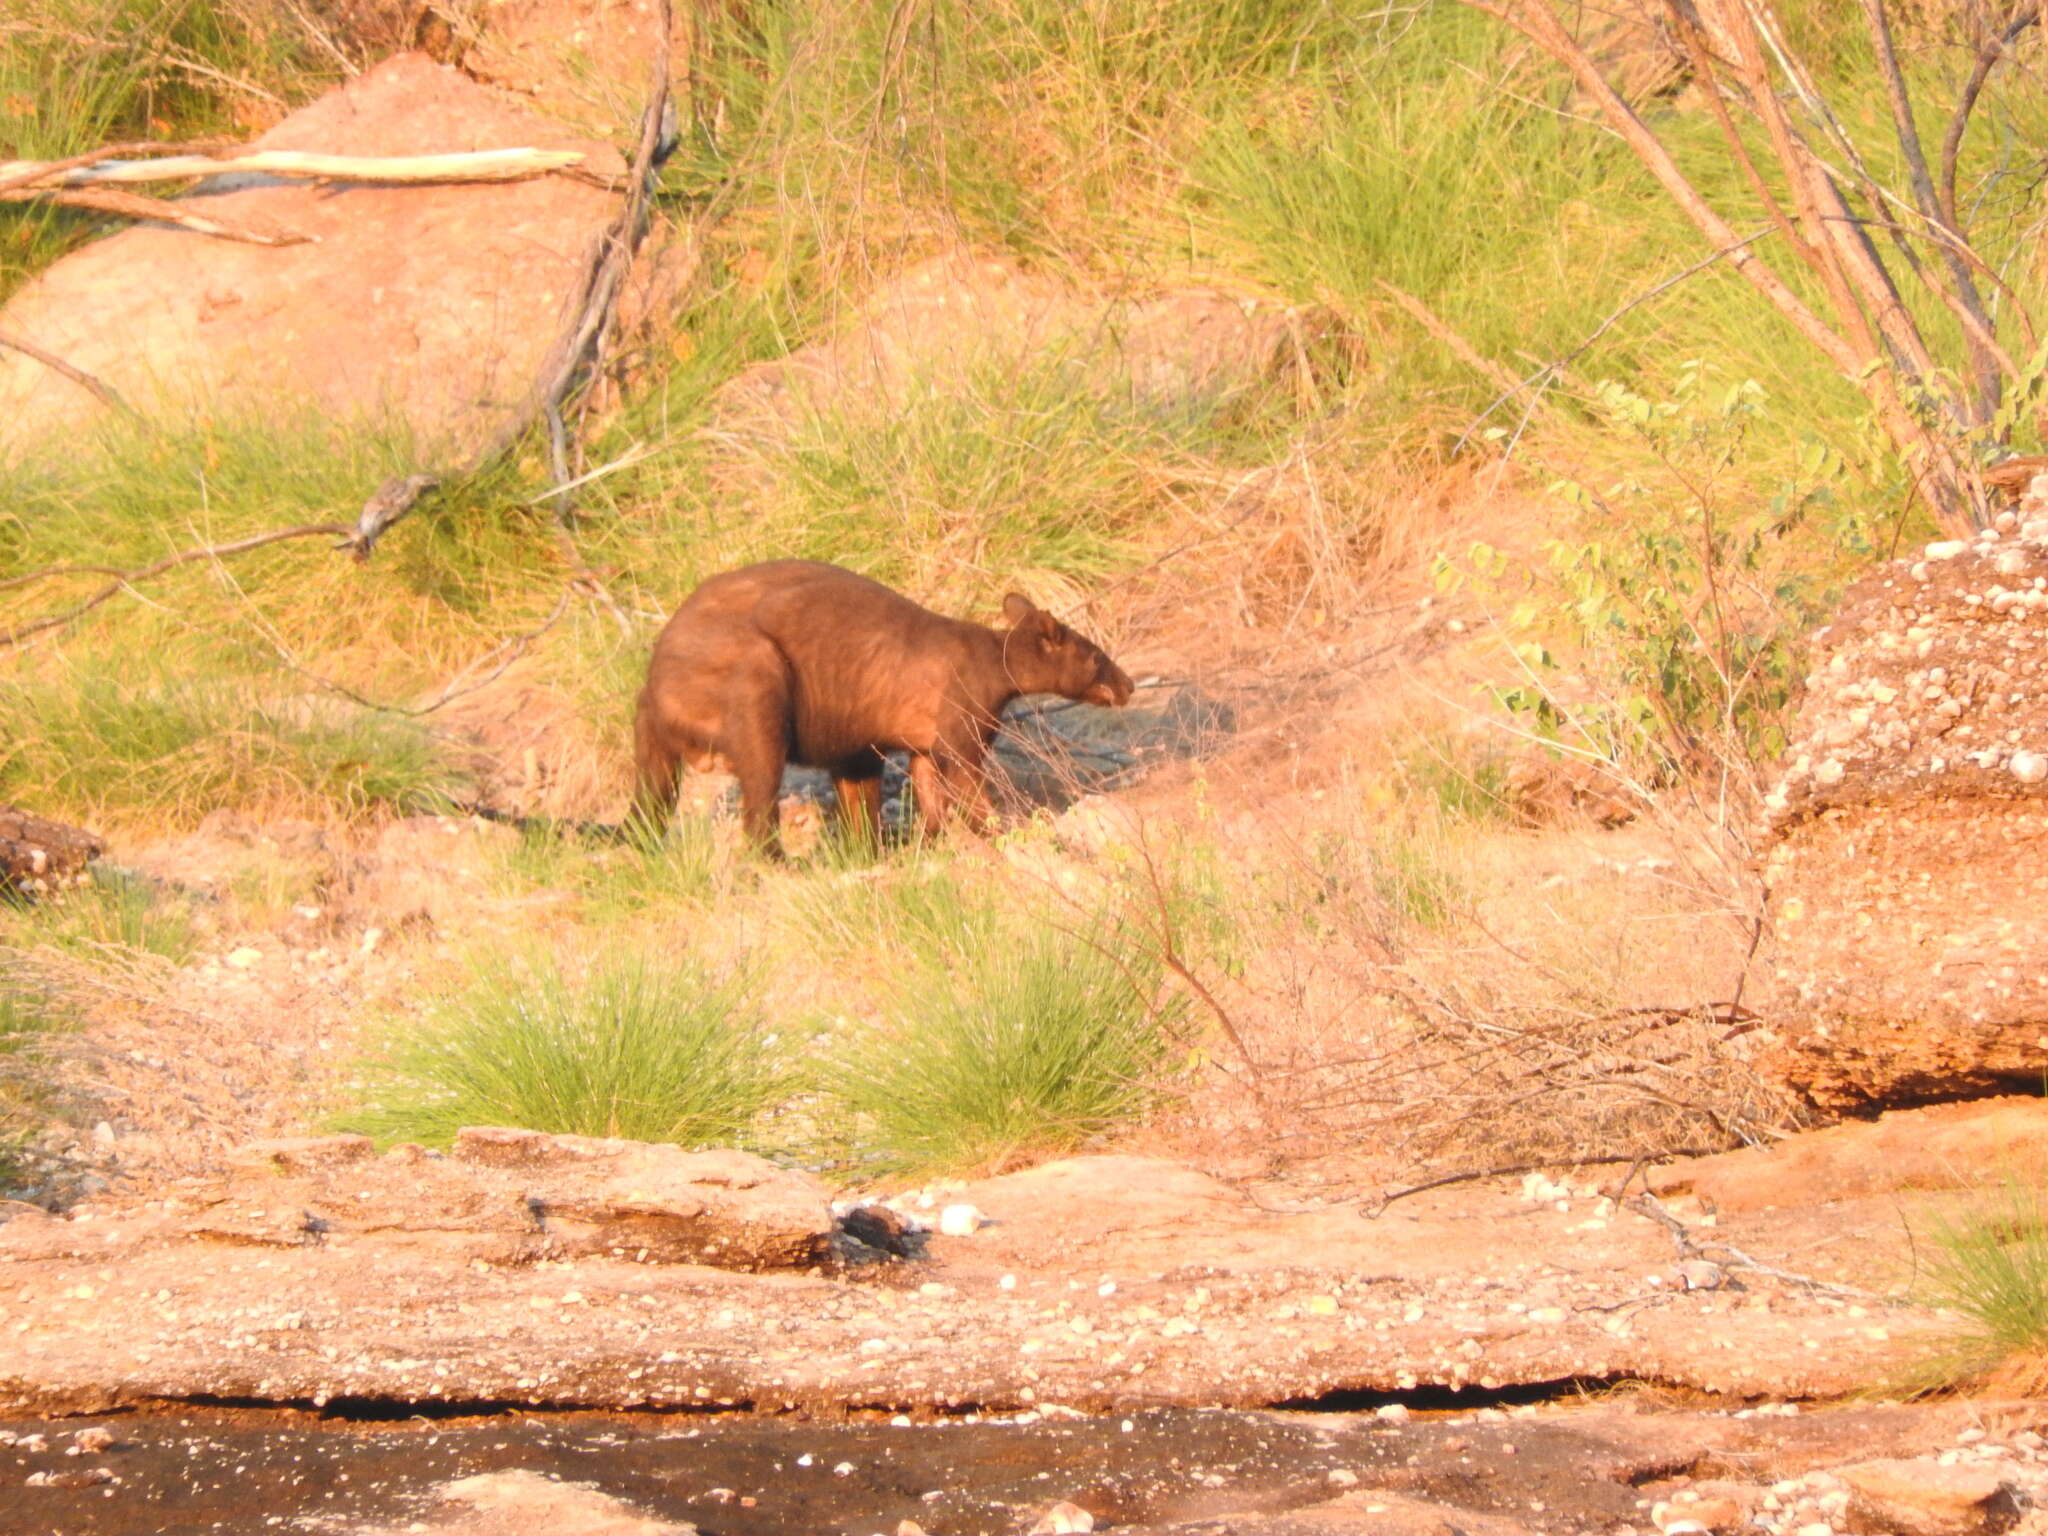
column 475, row 165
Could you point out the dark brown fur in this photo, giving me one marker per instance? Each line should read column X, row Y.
column 796, row 661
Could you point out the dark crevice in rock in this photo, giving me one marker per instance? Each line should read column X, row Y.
column 1442, row 1399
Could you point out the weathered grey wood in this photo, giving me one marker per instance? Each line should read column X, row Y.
column 474, row 165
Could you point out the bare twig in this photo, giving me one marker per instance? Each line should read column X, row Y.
column 126, row 579
column 391, row 501
column 1874, row 340
column 1506, row 1170
column 1433, row 323
column 1614, row 317
column 2024, row 16
column 1730, row 1257
column 504, row 655
column 131, row 205
column 97, row 388
column 1967, row 302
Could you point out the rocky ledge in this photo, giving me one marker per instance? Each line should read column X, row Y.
column 1901, row 851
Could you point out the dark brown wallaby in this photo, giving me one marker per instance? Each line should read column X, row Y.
column 796, row 661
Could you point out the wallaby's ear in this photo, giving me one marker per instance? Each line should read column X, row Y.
column 1017, row 608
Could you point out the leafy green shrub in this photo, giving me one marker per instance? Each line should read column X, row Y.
column 1026, row 1039
column 631, row 1047
column 1684, row 590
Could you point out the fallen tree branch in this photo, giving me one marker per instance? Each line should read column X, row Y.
column 572, row 359
column 97, row 388
column 1690, row 1248
column 1507, row 1170
column 133, row 205
column 37, row 170
column 520, row 164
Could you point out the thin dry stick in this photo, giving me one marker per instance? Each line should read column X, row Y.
column 1441, row 330
column 125, row 579
column 1847, row 271
column 132, row 205
column 1690, row 1247
column 1543, row 28
column 398, row 496
column 1560, row 363
column 98, row 388
column 1969, row 304
column 1505, row 1170
column 459, row 686
column 2025, row 16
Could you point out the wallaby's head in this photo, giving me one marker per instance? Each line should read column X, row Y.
column 1045, row 656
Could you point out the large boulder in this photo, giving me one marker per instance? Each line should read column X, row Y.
column 1904, row 847
column 943, row 320
column 430, row 304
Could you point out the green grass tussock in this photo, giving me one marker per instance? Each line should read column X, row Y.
column 1988, row 1263
column 106, row 735
column 630, row 1046
column 920, row 904
column 30, row 1015
column 1025, row 1040
column 1038, row 464
column 616, row 878
column 113, row 915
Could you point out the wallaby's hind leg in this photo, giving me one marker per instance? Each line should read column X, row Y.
column 756, row 743
column 858, row 783
column 929, row 786
column 860, row 808
column 655, row 762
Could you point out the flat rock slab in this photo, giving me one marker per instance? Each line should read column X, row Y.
column 501, row 1197
column 429, row 304
column 1944, row 1146
column 1101, row 1283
